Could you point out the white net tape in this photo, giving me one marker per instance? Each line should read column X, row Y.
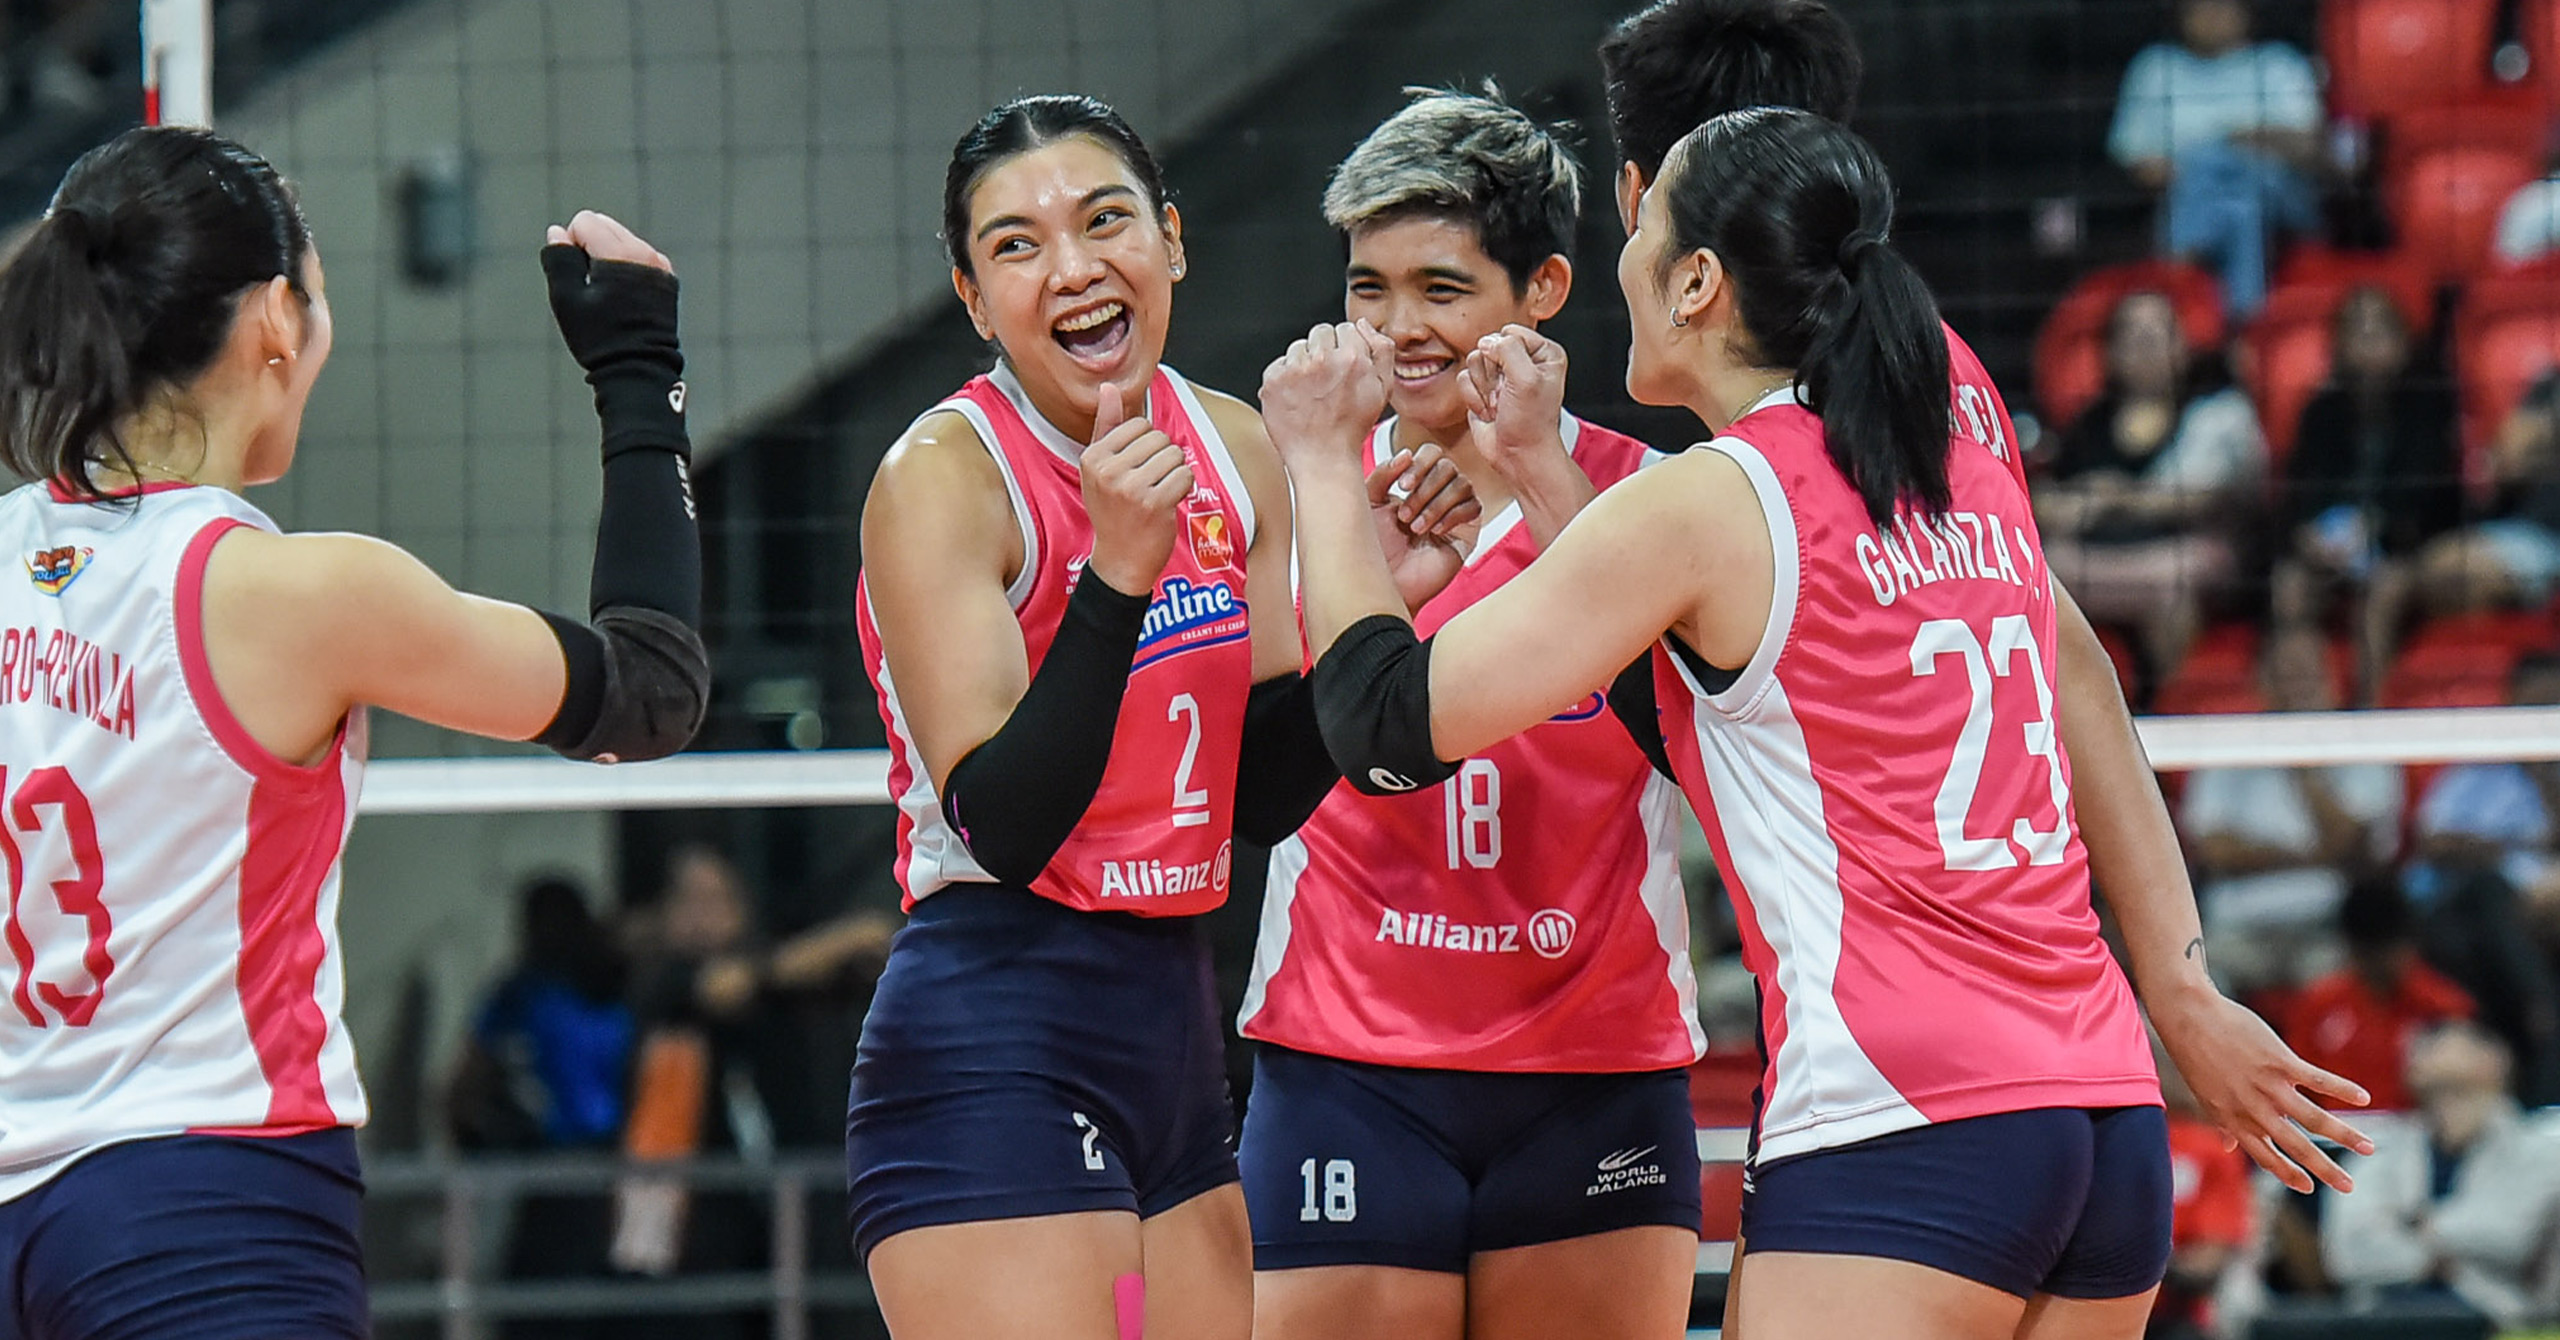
column 861, row 776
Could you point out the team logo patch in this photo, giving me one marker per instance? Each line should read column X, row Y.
column 1184, row 617
column 54, row 570
column 1214, row 549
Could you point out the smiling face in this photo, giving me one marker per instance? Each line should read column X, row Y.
column 1071, row 274
column 1425, row 281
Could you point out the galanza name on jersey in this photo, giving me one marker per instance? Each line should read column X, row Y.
column 1155, row 879
column 1917, row 551
column 67, row 673
column 1180, row 610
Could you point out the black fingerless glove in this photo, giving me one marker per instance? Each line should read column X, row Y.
column 619, row 319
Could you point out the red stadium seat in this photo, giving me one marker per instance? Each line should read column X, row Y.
column 2070, row 354
column 2286, row 350
column 2411, row 286
column 1720, row 1199
column 2448, row 172
column 1721, row 1085
column 2391, row 56
column 2506, row 334
column 2450, row 674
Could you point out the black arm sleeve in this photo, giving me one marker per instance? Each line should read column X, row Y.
column 1014, row 799
column 639, row 677
column 1284, row 771
column 1373, row 702
column 1631, row 700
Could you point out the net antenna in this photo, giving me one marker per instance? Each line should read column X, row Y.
column 177, row 62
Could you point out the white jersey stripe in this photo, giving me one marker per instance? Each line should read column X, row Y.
column 1829, row 1092
column 1667, row 898
column 1271, row 946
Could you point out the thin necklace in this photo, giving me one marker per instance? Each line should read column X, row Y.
column 137, row 468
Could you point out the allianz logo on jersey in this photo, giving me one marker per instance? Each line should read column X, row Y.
column 1549, row 933
column 1156, row 879
column 1626, row 1169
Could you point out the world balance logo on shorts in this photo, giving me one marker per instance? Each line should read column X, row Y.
column 1627, row 1168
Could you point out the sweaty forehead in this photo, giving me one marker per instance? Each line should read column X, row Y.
column 1054, row 179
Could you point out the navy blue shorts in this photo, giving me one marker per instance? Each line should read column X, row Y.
column 1353, row 1164
column 191, row 1237
column 2060, row 1200
column 1025, row 1059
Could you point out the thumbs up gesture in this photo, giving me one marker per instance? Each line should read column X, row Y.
column 1134, row 480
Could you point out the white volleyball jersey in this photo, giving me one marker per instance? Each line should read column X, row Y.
column 168, row 952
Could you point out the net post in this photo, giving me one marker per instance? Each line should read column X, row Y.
column 177, row 62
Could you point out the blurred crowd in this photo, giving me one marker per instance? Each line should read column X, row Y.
column 673, row 1029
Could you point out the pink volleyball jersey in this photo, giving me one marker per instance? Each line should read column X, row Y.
column 1525, row 915
column 171, row 951
column 1156, row 840
column 1981, row 416
column 1887, row 794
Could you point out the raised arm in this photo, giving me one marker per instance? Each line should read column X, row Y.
column 1016, row 757
column 301, row 629
column 1396, row 710
column 1282, row 770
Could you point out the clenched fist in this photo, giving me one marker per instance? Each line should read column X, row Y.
column 1320, row 399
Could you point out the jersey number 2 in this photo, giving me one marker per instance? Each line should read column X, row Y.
column 2010, row 636
column 77, row 893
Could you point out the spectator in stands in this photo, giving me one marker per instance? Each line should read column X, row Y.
column 548, row 1066
column 2512, row 557
column 2214, row 1234
column 2273, row 847
column 550, row 1050
column 2458, row 1199
column 2141, row 507
column 2229, row 132
column 2529, row 224
column 2374, row 476
column 2359, row 1020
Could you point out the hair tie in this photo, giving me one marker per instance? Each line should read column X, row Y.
column 1854, row 249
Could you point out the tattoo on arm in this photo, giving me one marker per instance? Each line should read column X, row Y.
column 2195, row 949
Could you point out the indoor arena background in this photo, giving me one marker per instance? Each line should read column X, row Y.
column 788, row 155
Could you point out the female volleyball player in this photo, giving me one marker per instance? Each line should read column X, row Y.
column 1469, row 1113
column 1961, row 1127
column 1059, row 567
column 1677, row 63
column 182, row 729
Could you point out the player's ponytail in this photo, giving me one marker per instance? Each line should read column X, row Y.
column 128, row 287
column 1800, row 211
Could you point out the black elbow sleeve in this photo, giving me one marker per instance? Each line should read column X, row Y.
column 1284, row 773
column 1373, row 703
column 639, row 686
